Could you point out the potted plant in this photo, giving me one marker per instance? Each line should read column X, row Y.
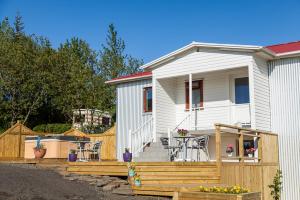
column 182, row 132
column 250, row 152
column 131, row 170
column 127, row 156
column 229, row 150
column 39, row 150
column 72, row 155
column 137, row 180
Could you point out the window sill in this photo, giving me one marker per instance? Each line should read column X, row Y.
column 193, row 109
column 147, row 113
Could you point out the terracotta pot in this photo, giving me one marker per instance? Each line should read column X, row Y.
column 39, row 153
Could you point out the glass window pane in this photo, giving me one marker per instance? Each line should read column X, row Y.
column 196, row 98
column 148, row 102
column 241, row 90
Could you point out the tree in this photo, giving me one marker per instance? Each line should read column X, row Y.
column 114, row 62
column 22, row 80
column 76, row 82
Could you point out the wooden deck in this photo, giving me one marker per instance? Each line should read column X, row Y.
column 166, row 178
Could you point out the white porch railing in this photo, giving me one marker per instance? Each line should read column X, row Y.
column 140, row 137
column 235, row 114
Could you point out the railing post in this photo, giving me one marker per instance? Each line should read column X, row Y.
column 218, row 148
column 241, row 145
column 259, row 147
column 169, row 136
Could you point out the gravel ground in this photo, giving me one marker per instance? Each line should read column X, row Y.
column 30, row 183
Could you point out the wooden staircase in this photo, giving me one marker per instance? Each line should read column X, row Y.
column 158, row 178
column 165, row 178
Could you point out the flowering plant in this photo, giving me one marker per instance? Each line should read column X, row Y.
column 250, row 151
column 230, row 190
column 182, row 132
column 131, row 166
column 137, row 178
column 229, row 148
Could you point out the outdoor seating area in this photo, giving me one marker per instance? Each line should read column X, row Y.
column 186, row 147
column 86, row 151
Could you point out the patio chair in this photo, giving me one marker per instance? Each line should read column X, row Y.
column 200, row 143
column 94, row 151
column 173, row 150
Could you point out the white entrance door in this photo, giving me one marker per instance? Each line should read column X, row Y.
column 240, row 106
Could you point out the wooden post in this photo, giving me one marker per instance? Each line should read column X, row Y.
column 241, row 145
column 218, row 148
column 260, row 155
column 20, row 140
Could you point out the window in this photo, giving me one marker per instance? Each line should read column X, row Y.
column 197, row 94
column 147, row 97
column 241, row 90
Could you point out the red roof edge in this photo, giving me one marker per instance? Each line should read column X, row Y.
column 130, row 77
column 285, row 47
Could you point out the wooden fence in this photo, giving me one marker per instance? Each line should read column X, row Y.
column 254, row 173
column 108, row 138
column 12, row 141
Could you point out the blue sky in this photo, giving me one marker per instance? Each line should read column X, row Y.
column 155, row 27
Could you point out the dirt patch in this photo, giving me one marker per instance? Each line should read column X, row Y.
column 29, row 183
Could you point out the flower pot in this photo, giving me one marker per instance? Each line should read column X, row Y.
column 137, row 183
column 127, row 157
column 229, row 154
column 131, row 173
column 250, row 155
column 72, row 157
column 39, row 153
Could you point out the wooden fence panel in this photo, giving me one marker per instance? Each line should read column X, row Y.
column 108, row 148
column 255, row 177
column 269, row 148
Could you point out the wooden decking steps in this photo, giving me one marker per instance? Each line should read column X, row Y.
column 99, row 168
column 158, row 178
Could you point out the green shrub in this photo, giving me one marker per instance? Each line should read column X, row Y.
column 276, row 187
column 52, row 128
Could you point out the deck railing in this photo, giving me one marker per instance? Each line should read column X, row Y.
column 266, row 144
column 140, row 137
column 201, row 118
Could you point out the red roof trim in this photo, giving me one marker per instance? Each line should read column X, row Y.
column 285, row 48
column 135, row 76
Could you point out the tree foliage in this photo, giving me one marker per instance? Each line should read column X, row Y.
column 40, row 84
column 115, row 62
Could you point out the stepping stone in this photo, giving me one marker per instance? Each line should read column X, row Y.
column 123, row 190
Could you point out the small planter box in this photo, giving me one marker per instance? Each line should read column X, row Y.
column 214, row 196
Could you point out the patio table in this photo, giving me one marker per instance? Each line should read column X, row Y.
column 81, row 147
column 185, row 140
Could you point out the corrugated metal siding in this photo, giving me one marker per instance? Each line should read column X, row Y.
column 130, row 111
column 284, row 79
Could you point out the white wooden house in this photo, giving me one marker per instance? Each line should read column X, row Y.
column 202, row 84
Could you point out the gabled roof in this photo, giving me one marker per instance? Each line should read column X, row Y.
column 285, row 48
column 228, row 47
column 132, row 77
column 272, row 52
